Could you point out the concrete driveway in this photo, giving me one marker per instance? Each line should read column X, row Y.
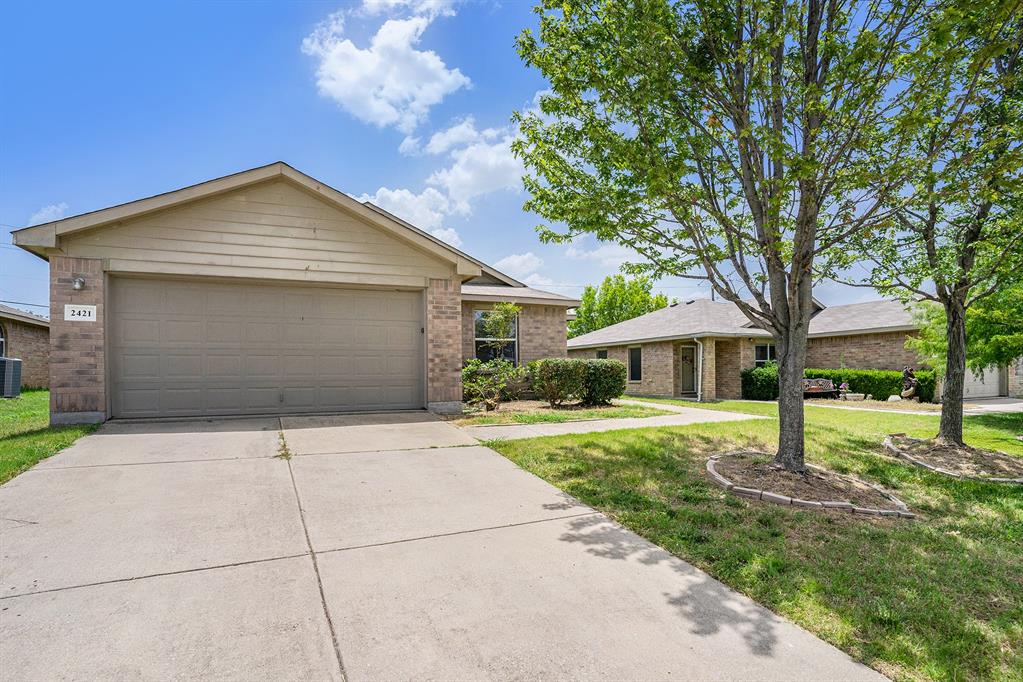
column 387, row 547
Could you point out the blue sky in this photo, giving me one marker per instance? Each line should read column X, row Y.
column 403, row 102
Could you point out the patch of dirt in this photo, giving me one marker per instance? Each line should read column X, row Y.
column 961, row 460
column 817, row 485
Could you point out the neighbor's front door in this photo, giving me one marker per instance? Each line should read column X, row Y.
column 687, row 369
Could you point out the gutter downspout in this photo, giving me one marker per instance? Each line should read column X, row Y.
column 699, row 371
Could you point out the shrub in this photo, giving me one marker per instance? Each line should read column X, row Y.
column 558, row 379
column 605, row 381
column 484, row 382
column 761, row 383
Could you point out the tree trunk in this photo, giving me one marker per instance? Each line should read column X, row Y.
column 951, row 428
column 791, row 346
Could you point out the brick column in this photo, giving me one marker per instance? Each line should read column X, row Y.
column 1016, row 378
column 444, row 346
column 708, row 376
column 77, row 361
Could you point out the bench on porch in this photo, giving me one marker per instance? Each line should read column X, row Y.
column 819, row 388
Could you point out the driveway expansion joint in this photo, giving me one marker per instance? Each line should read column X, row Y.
column 459, row 532
column 319, row 579
column 134, row 578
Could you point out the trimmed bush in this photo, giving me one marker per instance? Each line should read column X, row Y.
column 605, row 381
column 558, row 379
column 761, row 383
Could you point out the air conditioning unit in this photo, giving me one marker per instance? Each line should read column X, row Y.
column 10, row 377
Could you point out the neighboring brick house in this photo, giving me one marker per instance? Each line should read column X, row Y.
column 26, row 336
column 698, row 348
column 265, row 292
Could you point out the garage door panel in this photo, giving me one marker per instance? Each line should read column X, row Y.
column 182, row 348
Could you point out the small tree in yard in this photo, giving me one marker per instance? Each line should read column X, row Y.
column 616, row 299
column 994, row 331
column 959, row 234
column 500, row 325
column 724, row 140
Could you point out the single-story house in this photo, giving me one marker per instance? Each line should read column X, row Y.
column 266, row 292
column 26, row 336
column 697, row 348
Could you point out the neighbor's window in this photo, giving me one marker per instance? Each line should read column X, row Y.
column 489, row 347
column 635, row 364
column 765, row 354
column 3, row 343
column 602, row 355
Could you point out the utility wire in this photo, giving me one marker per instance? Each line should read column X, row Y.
column 34, row 305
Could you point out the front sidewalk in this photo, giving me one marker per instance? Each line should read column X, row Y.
column 682, row 416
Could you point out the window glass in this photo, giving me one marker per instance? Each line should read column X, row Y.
column 3, row 343
column 635, row 364
column 602, row 355
column 488, row 347
column 764, row 354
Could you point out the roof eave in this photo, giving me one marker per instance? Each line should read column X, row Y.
column 672, row 337
column 512, row 298
column 25, row 319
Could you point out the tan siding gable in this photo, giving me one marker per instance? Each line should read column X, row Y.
column 272, row 230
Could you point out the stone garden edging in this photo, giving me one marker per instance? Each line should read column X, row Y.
column 895, row 450
column 784, row 500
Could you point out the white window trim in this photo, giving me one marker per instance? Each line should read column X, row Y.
column 629, row 364
column 475, row 338
column 3, row 342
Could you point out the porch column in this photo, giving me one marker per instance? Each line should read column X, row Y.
column 708, row 372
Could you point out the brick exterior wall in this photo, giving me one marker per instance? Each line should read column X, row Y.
column 708, row 389
column 31, row 344
column 659, row 363
column 443, row 350
column 728, row 359
column 542, row 332
column 77, row 359
column 861, row 351
column 1015, row 371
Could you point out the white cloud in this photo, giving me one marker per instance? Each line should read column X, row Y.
column 449, row 235
column 610, row 255
column 459, row 135
column 409, row 146
column 390, row 83
column 519, row 264
column 425, row 210
column 478, row 169
column 426, row 7
column 48, row 214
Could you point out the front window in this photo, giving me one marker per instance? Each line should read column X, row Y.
column 635, row 364
column 602, row 355
column 765, row 354
column 3, row 343
column 489, row 347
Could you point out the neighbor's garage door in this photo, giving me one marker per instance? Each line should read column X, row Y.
column 188, row 348
column 983, row 386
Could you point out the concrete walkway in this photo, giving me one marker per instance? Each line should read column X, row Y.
column 682, row 416
column 190, row 551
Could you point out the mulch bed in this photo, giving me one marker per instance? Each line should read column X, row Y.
column 750, row 474
column 960, row 461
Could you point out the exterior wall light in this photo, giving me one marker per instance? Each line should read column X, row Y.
column 78, row 283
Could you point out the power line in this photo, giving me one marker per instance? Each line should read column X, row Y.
column 34, row 305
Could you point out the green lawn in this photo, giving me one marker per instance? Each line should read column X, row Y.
column 547, row 415
column 26, row 436
column 936, row 598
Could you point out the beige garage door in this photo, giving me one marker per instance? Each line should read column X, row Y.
column 191, row 348
column 984, row 385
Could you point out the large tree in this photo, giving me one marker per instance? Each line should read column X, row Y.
column 959, row 233
column 725, row 140
column 615, row 300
